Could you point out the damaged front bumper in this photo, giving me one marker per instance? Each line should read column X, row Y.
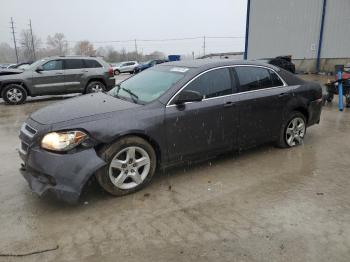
column 62, row 174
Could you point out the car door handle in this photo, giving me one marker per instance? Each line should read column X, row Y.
column 85, row 71
column 229, row 104
column 283, row 95
column 59, row 73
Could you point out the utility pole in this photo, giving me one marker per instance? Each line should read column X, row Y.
column 203, row 45
column 31, row 33
column 136, row 49
column 14, row 38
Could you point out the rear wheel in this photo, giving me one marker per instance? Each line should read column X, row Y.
column 293, row 130
column 14, row 94
column 347, row 100
column 95, row 87
column 131, row 164
column 116, row 72
column 329, row 97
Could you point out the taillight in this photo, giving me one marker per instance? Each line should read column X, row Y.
column 110, row 71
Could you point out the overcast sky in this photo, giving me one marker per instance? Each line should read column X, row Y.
column 111, row 20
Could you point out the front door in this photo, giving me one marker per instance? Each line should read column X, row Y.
column 50, row 80
column 204, row 127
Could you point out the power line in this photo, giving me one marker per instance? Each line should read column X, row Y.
column 14, row 38
column 163, row 40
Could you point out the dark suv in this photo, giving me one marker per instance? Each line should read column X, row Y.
column 55, row 76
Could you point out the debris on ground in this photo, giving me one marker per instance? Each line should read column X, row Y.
column 29, row 253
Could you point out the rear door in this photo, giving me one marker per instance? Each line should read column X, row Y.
column 123, row 67
column 262, row 95
column 203, row 127
column 50, row 80
column 129, row 67
column 74, row 73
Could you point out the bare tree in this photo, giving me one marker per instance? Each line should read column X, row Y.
column 101, row 51
column 155, row 55
column 85, row 48
column 111, row 54
column 7, row 53
column 57, row 44
column 27, row 46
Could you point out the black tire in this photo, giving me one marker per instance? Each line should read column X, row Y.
column 94, row 87
column 116, row 72
column 347, row 101
column 282, row 142
column 15, row 99
column 110, row 151
column 329, row 98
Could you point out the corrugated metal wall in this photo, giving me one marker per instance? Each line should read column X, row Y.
column 292, row 27
column 336, row 38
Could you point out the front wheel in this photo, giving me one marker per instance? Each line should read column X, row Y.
column 293, row 130
column 14, row 94
column 131, row 164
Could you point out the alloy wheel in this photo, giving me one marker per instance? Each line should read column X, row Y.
column 96, row 88
column 129, row 167
column 14, row 95
column 295, row 131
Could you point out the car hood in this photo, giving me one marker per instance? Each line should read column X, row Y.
column 80, row 107
column 10, row 71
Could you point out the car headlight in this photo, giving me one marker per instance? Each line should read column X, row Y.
column 63, row 141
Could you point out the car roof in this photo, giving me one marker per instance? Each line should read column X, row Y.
column 70, row 57
column 211, row 63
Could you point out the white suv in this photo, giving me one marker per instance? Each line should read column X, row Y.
column 125, row 67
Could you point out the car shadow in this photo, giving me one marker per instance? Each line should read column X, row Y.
column 32, row 100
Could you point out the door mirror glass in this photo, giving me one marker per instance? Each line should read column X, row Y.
column 39, row 69
column 188, row 96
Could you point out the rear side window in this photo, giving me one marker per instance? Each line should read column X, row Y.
column 276, row 80
column 73, row 64
column 213, row 83
column 53, row 65
column 90, row 63
column 255, row 78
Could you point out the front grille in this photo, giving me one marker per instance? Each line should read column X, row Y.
column 30, row 129
column 24, row 147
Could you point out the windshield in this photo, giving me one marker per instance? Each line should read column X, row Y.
column 147, row 85
column 35, row 64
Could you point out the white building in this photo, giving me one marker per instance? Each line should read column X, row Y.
column 315, row 32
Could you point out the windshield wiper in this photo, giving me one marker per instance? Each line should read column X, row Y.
column 132, row 95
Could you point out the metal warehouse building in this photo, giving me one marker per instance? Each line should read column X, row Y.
column 315, row 32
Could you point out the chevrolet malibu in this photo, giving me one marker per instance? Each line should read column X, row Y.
column 170, row 114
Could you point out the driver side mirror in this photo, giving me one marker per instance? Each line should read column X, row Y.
column 188, row 96
column 39, row 69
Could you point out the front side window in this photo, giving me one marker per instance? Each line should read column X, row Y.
column 213, row 83
column 53, row 65
column 73, row 64
column 253, row 78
